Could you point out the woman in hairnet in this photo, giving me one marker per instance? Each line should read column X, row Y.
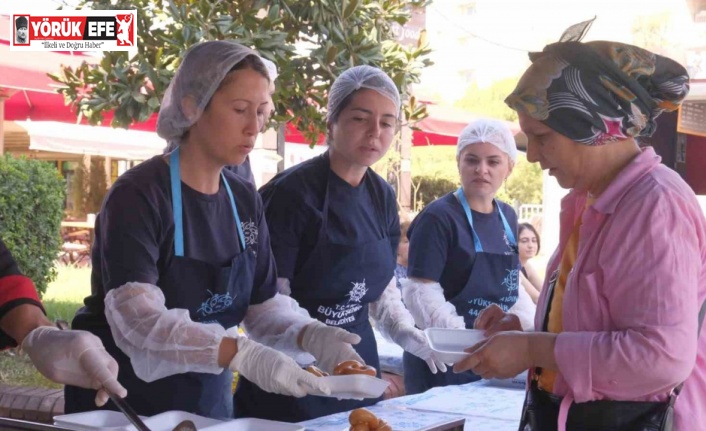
column 463, row 249
column 618, row 344
column 182, row 256
column 335, row 231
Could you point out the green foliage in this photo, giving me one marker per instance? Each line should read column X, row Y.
column 490, row 101
column 335, row 35
column 31, row 209
column 525, row 183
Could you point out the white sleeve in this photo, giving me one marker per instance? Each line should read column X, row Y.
column 426, row 303
column 524, row 308
column 158, row 341
column 389, row 312
column 276, row 323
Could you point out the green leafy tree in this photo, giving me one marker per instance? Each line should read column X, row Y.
column 311, row 42
column 31, row 208
column 490, row 101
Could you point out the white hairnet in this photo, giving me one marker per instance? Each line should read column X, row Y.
column 356, row 78
column 490, row 131
column 199, row 75
column 271, row 68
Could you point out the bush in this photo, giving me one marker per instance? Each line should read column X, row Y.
column 429, row 188
column 31, row 208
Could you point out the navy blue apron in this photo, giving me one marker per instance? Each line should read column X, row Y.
column 494, row 279
column 335, row 286
column 212, row 294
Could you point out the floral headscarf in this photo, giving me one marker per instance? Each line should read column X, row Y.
column 599, row 92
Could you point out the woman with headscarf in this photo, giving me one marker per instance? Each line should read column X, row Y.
column 618, row 344
column 463, row 251
column 182, row 256
column 335, row 231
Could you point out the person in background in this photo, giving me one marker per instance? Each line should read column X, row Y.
column 528, row 246
column 182, row 256
column 335, row 231
column 463, row 251
column 67, row 357
column 617, row 344
column 402, row 252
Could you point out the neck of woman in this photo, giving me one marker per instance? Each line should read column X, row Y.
column 481, row 204
column 348, row 172
column 198, row 171
column 402, row 261
column 606, row 166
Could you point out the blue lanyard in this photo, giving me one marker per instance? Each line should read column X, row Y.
column 175, row 179
column 476, row 241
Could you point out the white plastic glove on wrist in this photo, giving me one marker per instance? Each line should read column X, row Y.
column 330, row 345
column 75, row 358
column 428, row 305
column 275, row 372
column 415, row 342
column 277, row 323
column 395, row 323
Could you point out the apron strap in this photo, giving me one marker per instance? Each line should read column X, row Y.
column 469, row 216
column 177, row 207
column 175, row 179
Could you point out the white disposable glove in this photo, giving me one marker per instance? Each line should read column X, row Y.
column 396, row 323
column 330, row 345
column 428, row 305
column 74, row 358
column 277, row 323
column 415, row 342
column 275, row 372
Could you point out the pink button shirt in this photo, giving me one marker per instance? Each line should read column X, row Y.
column 633, row 296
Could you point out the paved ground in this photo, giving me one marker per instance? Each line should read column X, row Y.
column 31, row 404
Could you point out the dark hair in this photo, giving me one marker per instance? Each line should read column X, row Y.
column 333, row 116
column 522, row 226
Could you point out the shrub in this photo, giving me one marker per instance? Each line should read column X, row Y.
column 429, row 188
column 31, row 208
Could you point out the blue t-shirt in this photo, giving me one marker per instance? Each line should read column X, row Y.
column 441, row 245
column 134, row 238
column 294, row 202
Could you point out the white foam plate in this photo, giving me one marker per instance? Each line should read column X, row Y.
column 106, row 420
column 355, row 386
column 168, row 420
column 251, row 424
column 449, row 344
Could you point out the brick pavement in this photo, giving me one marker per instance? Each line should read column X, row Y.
column 31, row 404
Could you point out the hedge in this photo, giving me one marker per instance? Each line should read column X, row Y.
column 32, row 197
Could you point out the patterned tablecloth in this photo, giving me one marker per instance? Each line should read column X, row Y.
column 485, row 406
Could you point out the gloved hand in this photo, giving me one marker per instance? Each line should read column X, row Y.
column 74, row 358
column 329, row 345
column 413, row 341
column 275, row 372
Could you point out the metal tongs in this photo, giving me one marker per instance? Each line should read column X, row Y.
column 128, row 411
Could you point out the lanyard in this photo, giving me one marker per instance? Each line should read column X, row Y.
column 476, row 240
column 175, row 179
